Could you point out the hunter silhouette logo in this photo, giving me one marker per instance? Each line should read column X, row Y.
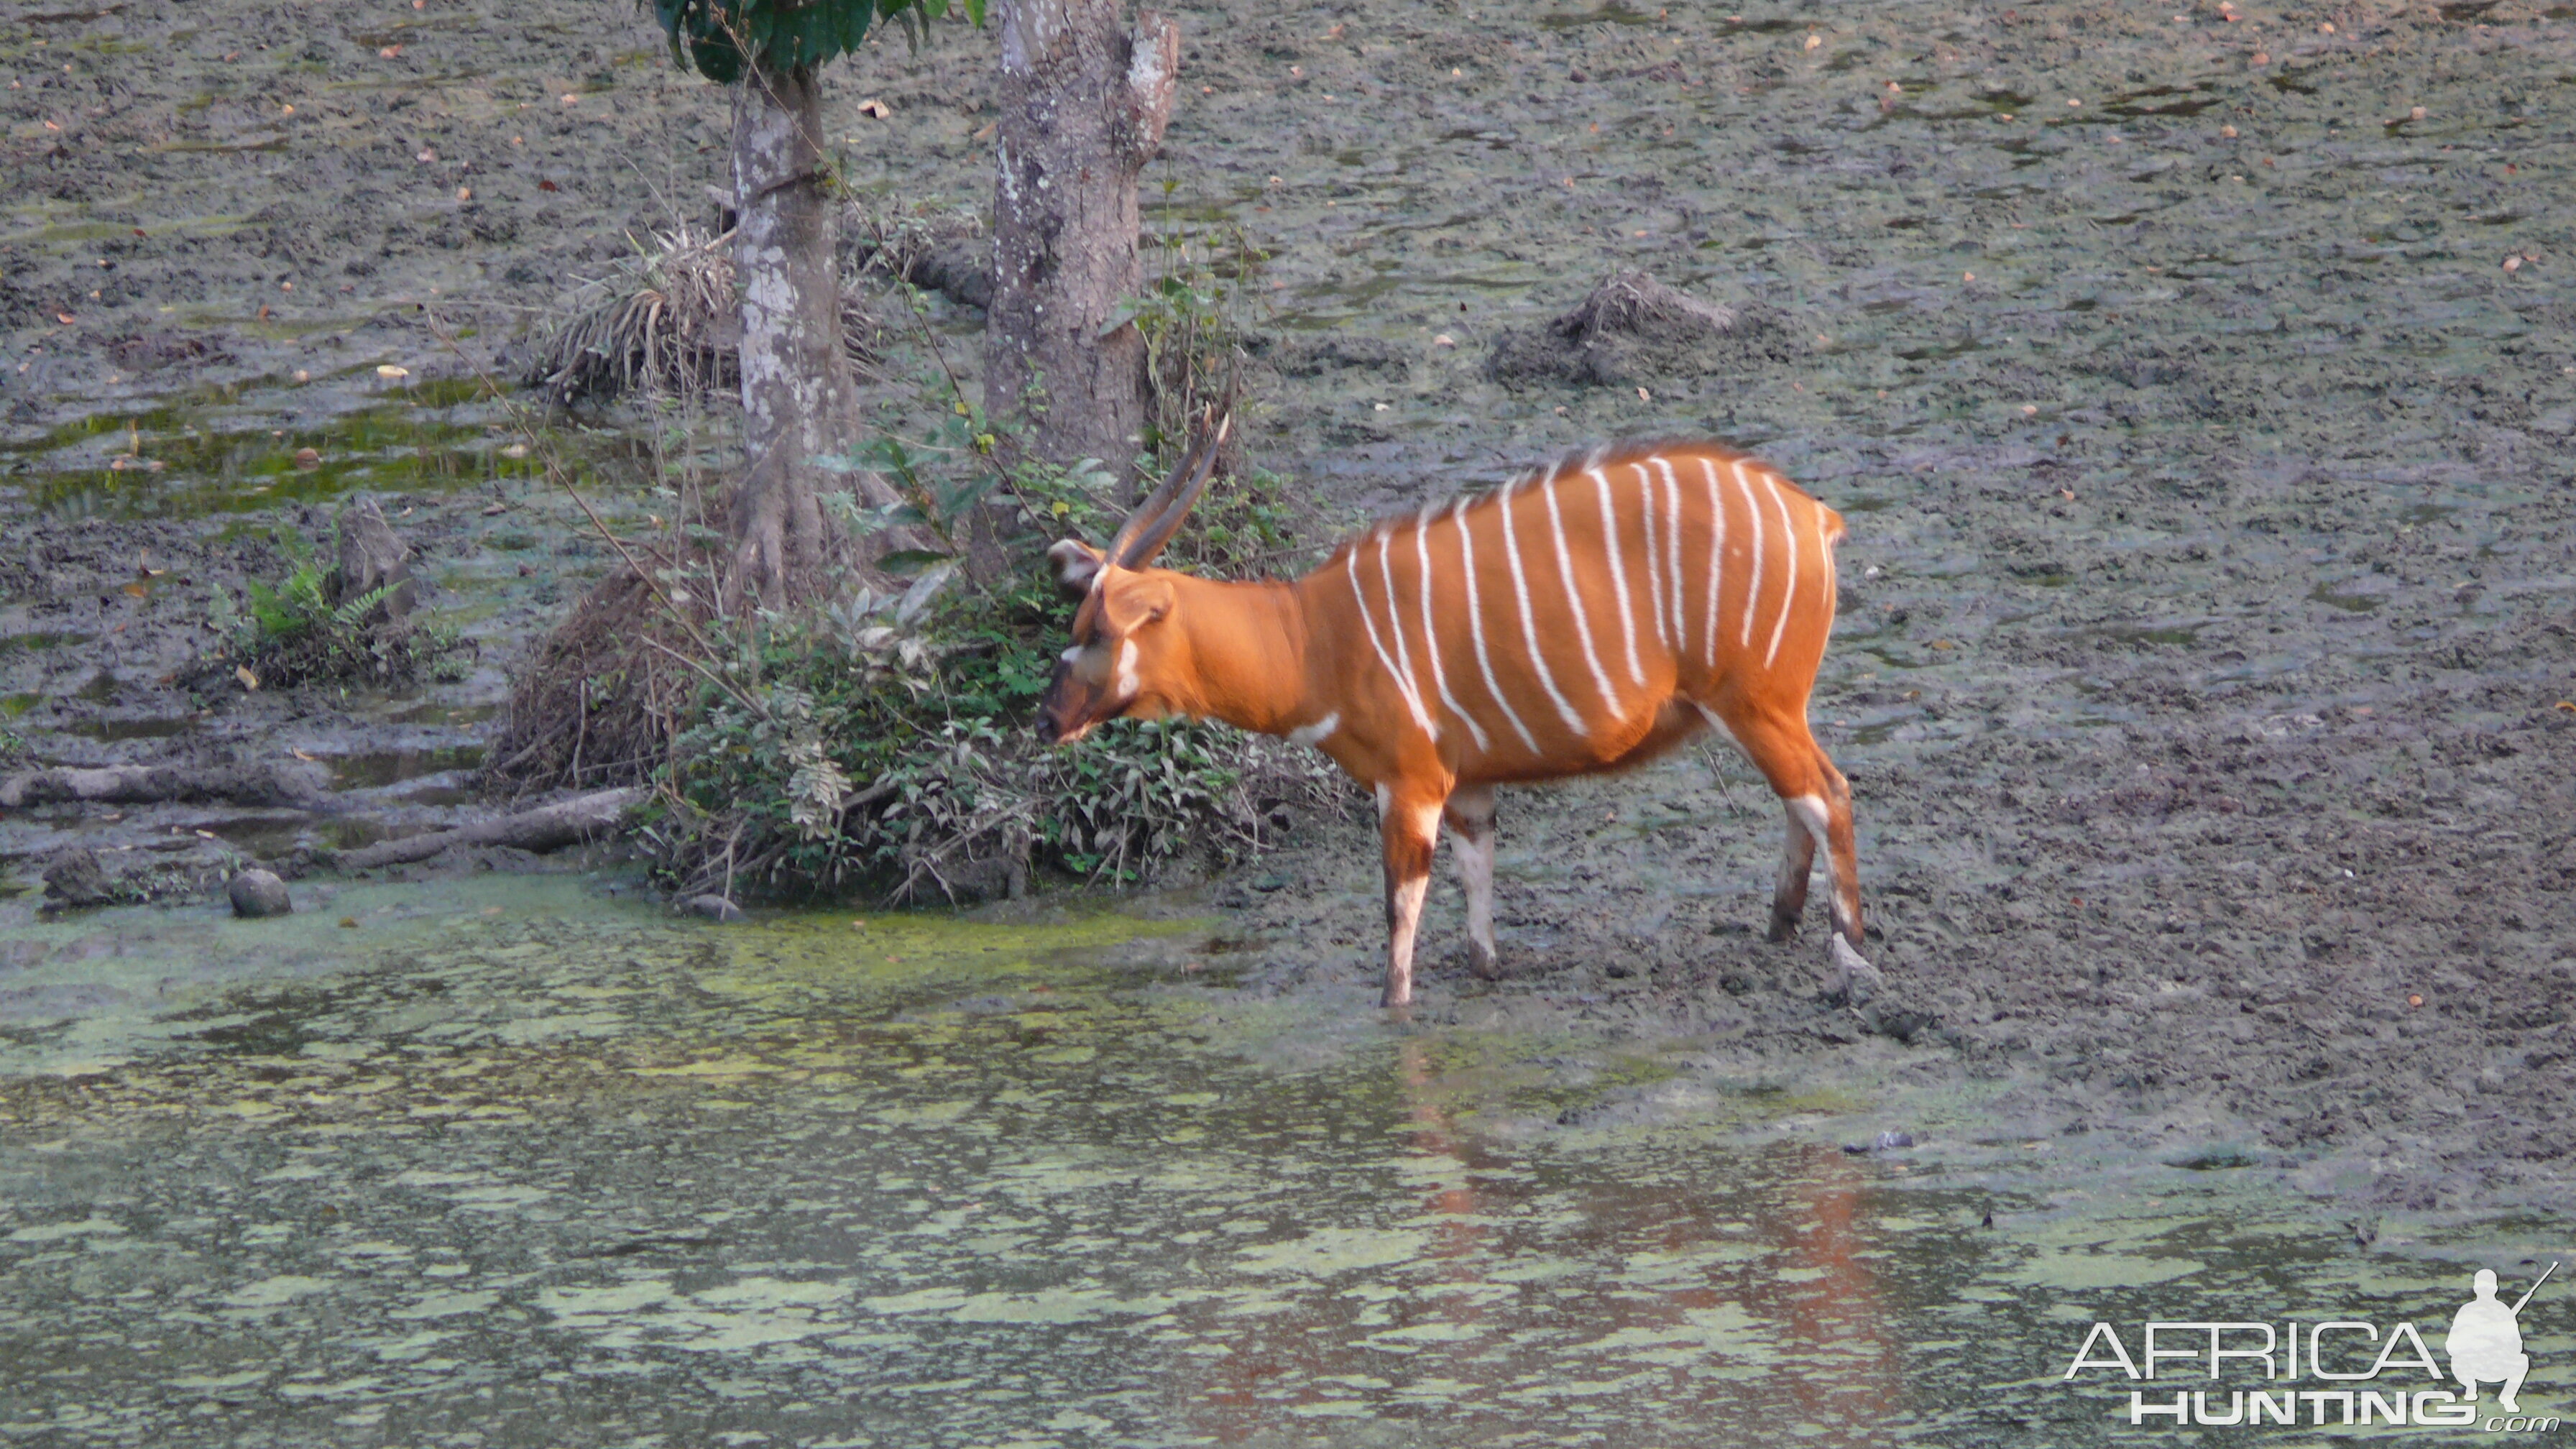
column 2485, row 1343
column 2362, row 1374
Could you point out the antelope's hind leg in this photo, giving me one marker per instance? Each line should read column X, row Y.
column 1470, row 816
column 1407, row 830
column 1817, row 800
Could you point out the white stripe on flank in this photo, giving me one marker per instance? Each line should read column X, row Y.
column 1529, row 625
column 1789, row 540
column 1618, row 573
column 1716, row 551
column 1404, row 686
column 1673, row 544
column 1654, row 553
column 1833, row 588
column 1476, row 623
column 1430, row 640
column 1753, row 595
column 1395, row 626
column 1574, row 601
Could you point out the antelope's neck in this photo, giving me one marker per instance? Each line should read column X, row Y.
column 1247, row 642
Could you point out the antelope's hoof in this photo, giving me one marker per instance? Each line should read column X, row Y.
column 1855, row 980
column 1480, row 961
column 1782, row 928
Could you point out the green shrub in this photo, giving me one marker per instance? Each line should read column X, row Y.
column 886, row 745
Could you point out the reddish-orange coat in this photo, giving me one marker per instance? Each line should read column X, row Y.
column 1574, row 620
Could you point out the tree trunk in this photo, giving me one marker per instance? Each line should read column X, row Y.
column 799, row 398
column 1084, row 103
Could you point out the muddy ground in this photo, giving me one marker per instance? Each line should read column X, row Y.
column 2198, row 384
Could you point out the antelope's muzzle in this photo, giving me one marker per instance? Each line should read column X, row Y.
column 1068, row 709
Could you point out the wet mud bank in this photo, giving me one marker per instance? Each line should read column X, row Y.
column 2198, row 390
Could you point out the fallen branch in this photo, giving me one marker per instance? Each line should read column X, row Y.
column 548, row 827
column 251, row 784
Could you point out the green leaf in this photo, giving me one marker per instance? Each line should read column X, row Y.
column 904, row 562
column 965, row 495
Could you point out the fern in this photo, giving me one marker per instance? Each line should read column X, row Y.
column 291, row 632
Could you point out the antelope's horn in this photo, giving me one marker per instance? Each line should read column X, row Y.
column 1159, row 517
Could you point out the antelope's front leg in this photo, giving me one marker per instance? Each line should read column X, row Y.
column 1406, row 830
column 1470, row 815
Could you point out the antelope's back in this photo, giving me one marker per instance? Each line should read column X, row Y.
column 1546, row 622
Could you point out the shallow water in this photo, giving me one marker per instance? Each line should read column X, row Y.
column 509, row 1161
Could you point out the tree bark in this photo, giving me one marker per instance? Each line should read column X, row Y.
column 799, row 398
column 1084, row 104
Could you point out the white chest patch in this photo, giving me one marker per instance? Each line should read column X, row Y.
column 1127, row 669
column 1318, row 732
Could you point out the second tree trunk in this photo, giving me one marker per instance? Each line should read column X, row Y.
column 1084, row 102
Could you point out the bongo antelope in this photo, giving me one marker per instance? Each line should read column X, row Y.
column 1581, row 618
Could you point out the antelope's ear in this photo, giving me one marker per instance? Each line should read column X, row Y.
column 1136, row 600
column 1076, row 565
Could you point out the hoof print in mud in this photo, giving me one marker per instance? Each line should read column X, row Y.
column 259, row 893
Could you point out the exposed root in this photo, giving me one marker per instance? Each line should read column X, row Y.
column 548, row 827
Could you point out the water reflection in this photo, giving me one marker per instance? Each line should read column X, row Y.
column 532, row 1169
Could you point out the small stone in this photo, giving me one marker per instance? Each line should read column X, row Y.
column 715, row 908
column 258, row 894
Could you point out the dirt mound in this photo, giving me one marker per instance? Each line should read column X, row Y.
column 599, row 700
column 1633, row 329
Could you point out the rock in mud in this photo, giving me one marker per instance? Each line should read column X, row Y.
column 372, row 557
column 259, row 893
column 1634, row 329
column 715, row 908
column 77, row 879
column 1003, row 878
